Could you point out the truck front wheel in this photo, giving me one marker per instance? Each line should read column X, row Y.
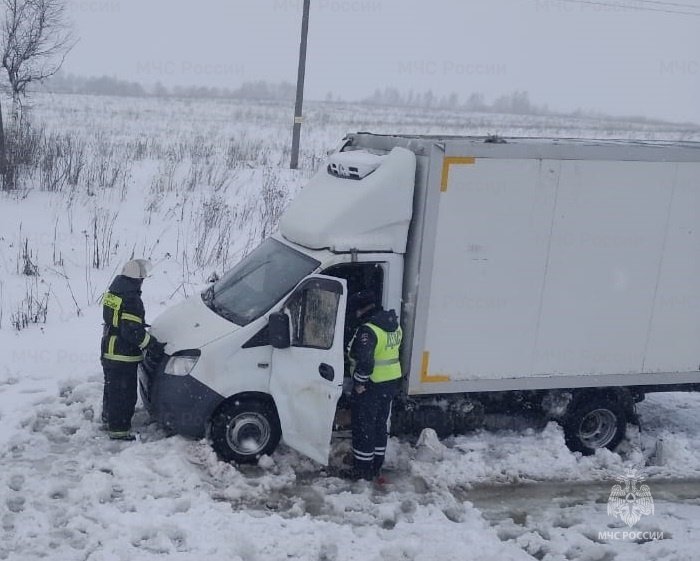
column 594, row 421
column 244, row 430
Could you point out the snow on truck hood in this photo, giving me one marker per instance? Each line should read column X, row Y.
column 345, row 213
column 190, row 325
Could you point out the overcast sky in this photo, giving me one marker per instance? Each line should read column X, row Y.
column 568, row 55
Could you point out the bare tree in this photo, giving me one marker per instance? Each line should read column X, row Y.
column 36, row 38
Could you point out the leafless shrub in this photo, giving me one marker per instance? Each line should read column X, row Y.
column 152, row 206
column 218, row 177
column 25, row 144
column 23, row 148
column 213, row 225
column 314, row 160
column 109, row 167
column 57, row 254
column 274, row 199
column 29, row 267
column 27, row 261
column 199, row 148
column 53, row 173
column 165, row 180
column 244, row 151
column 56, row 160
column 138, row 149
column 73, row 152
column 208, row 173
column 107, row 171
column 61, row 162
column 175, row 152
column 62, row 273
column 33, row 308
column 194, row 177
column 99, row 237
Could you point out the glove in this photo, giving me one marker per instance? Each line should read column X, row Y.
column 359, row 388
column 156, row 347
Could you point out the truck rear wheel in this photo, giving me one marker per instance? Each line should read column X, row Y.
column 244, row 430
column 595, row 421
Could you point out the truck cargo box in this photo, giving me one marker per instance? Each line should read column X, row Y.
column 536, row 264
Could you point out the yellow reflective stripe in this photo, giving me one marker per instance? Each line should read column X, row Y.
column 113, row 302
column 110, row 354
column 146, row 340
column 119, row 433
column 425, row 376
column 450, row 161
column 123, row 358
column 132, row 317
column 388, row 362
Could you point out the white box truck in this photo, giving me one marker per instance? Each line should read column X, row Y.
column 561, row 274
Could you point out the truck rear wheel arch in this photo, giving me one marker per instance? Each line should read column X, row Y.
column 597, row 418
column 245, row 427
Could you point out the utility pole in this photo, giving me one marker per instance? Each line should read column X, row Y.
column 296, row 134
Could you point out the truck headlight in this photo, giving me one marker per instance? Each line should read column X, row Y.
column 182, row 363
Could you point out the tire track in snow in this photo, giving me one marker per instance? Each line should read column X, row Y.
column 569, row 520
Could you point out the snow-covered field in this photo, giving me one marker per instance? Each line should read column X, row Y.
column 193, row 185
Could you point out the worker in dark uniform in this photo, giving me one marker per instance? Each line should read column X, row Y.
column 374, row 351
column 124, row 340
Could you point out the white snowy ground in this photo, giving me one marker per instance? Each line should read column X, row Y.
column 68, row 493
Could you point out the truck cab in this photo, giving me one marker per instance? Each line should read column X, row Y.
column 259, row 355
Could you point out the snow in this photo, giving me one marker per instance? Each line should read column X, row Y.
column 343, row 214
column 67, row 492
column 71, row 493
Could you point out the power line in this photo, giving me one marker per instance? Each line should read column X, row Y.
column 641, row 8
column 693, row 6
column 629, row 7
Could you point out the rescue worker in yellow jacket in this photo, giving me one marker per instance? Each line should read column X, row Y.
column 124, row 339
column 374, row 350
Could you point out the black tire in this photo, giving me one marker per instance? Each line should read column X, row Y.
column 595, row 421
column 244, row 430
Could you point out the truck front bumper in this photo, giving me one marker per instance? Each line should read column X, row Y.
column 181, row 404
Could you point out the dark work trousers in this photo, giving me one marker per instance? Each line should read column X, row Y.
column 370, row 414
column 119, row 397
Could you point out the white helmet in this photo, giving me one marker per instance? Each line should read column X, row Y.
column 137, row 269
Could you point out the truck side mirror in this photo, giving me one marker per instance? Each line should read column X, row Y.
column 279, row 331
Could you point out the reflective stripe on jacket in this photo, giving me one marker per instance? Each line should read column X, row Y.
column 386, row 354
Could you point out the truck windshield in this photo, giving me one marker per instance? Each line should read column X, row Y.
column 258, row 282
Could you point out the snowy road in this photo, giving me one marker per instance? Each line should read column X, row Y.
column 569, row 520
column 68, row 493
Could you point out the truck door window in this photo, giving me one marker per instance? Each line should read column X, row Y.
column 313, row 311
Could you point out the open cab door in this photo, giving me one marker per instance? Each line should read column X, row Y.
column 308, row 363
